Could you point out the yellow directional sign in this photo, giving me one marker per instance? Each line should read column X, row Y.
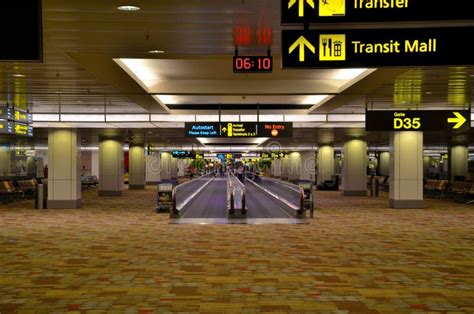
column 459, row 120
column 301, row 3
column 301, row 43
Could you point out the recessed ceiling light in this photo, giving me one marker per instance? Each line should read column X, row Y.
column 128, row 8
column 156, row 51
column 18, row 75
column 429, row 93
column 79, row 101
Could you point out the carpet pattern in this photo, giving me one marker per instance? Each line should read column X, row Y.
column 116, row 255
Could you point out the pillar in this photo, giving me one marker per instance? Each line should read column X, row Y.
column 95, row 163
column 406, row 170
column 153, row 166
column 174, row 168
column 294, row 166
column 459, row 161
column 276, row 168
column 137, row 166
column 354, row 168
column 111, row 166
column 308, row 166
column 325, row 163
column 165, row 166
column 5, row 161
column 64, row 179
column 384, row 163
column 285, row 168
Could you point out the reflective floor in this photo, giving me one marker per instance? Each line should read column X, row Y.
column 356, row 255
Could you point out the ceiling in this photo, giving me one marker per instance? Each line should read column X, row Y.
column 87, row 45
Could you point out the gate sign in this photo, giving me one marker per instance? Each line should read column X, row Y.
column 337, row 11
column 418, row 120
column 360, row 48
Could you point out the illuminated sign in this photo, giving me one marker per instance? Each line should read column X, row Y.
column 337, row 11
column 275, row 129
column 253, row 64
column 22, row 116
column 22, row 129
column 6, row 113
column 418, row 120
column 6, row 127
column 239, row 129
column 346, row 48
column 183, row 154
column 21, row 30
column 202, row 129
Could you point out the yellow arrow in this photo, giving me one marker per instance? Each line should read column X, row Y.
column 460, row 120
column 301, row 43
column 300, row 5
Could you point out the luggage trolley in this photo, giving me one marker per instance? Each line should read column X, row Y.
column 164, row 202
column 308, row 197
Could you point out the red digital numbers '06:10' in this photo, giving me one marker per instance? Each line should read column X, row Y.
column 253, row 64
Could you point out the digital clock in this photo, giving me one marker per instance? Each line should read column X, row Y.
column 253, row 64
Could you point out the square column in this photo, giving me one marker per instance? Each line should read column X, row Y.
column 459, row 161
column 384, row 162
column 153, row 166
column 354, row 168
column 64, row 179
column 325, row 163
column 276, row 168
column 111, row 166
column 406, row 170
column 308, row 166
column 137, row 167
column 165, row 166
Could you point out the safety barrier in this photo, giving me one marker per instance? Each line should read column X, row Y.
column 235, row 197
column 294, row 194
column 186, row 191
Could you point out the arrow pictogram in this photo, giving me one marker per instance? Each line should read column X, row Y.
column 301, row 43
column 224, row 129
column 459, row 120
column 300, row 5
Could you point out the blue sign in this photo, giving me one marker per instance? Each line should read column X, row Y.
column 202, row 129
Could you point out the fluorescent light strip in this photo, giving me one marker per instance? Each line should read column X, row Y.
column 173, row 118
column 46, row 117
column 128, row 118
column 346, row 117
column 305, row 118
column 82, row 118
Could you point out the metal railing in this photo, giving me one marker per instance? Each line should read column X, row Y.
column 235, row 197
column 184, row 192
column 294, row 194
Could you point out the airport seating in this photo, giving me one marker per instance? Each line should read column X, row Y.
column 89, row 181
column 28, row 187
column 329, row 185
column 435, row 188
column 8, row 192
column 458, row 190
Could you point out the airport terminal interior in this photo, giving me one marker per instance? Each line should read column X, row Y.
column 236, row 156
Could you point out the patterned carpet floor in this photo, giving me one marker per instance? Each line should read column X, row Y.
column 116, row 255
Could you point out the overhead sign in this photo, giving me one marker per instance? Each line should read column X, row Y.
column 22, row 116
column 6, row 127
column 337, row 11
column 239, row 129
column 418, row 120
column 183, row 154
column 348, row 48
column 22, row 129
column 6, row 113
column 200, row 129
column 275, row 129
column 21, row 30
column 253, row 64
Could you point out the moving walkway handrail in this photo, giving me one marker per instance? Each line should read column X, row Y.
column 295, row 188
column 180, row 186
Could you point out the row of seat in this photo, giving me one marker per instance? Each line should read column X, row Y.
column 14, row 190
column 458, row 190
column 89, row 181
